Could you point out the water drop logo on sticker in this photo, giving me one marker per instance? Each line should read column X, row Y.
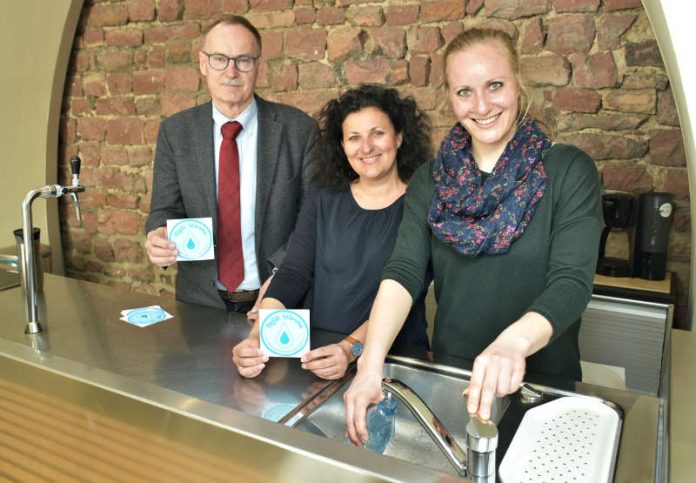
column 192, row 238
column 284, row 332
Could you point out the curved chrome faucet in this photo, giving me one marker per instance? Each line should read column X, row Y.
column 29, row 256
column 444, row 440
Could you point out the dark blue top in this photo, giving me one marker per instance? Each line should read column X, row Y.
column 334, row 265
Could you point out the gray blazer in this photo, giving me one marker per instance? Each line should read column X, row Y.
column 183, row 185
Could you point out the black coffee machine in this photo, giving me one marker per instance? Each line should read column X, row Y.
column 647, row 221
column 619, row 209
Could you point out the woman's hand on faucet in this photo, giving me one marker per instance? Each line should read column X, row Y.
column 160, row 250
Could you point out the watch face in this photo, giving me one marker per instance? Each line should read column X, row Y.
column 357, row 349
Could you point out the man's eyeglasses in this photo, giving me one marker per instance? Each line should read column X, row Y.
column 243, row 63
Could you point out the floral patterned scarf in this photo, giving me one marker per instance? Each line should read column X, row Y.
column 474, row 216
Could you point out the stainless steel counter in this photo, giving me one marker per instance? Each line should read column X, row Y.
column 180, row 372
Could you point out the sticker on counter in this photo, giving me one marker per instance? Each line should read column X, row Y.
column 193, row 238
column 144, row 316
column 284, row 333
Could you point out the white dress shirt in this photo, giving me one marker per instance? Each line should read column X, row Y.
column 247, row 143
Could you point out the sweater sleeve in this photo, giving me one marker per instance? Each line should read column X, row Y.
column 295, row 275
column 575, row 235
column 409, row 261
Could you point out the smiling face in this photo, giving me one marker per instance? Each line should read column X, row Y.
column 484, row 93
column 231, row 90
column 370, row 143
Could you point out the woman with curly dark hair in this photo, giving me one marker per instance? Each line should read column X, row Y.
column 372, row 142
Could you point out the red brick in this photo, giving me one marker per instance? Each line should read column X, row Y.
column 473, row 6
column 272, row 45
column 645, row 80
column 607, row 146
column 269, row 5
column 272, row 20
column 640, row 101
column 170, row 10
column 181, row 78
column 148, row 82
column 93, row 37
column 401, row 14
column 305, row 15
column 199, row 10
column 115, row 60
column 81, row 243
column 80, row 106
column 173, row 103
column 450, row 30
column 418, row 70
column 546, row 70
column 594, row 71
column 284, row 77
column 140, row 56
column 531, row 37
column 575, row 5
column 103, row 14
column 151, row 129
column 570, row 33
column 128, row 251
column 577, row 100
column 147, row 106
column 512, row 9
column 398, row 73
column 124, row 131
column 314, row 75
column 123, row 201
column 330, row 15
column 113, row 222
column 90, row 154
column 68, row 134
column 643, row 54
column 676, row 182
column 309, row 101
column 343, row 41
column 424, row 39
column 607, row 121
column 231, row 6
column 177, row 52
column 115, row 106
column 667, row 147
column 366, row 71
column 307, row 44
column 91, row 128
column 187, row 31
column 437, row 72
column 141, row 10
column 391, row 40
column 119, row 83
column 114, row 155
column 610, row 5
column 155, row 57
column 139, row 155
column 124, row 38
column 626, row 177
column 365, row 15
column 103, row 251
column 611, row 27
column 439, row 10
column 666, row 109
column 154, row 34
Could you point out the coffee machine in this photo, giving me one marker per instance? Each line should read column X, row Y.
column 619, row 210
column 645, row 223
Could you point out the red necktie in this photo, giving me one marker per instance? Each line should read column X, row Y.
column 230, row 257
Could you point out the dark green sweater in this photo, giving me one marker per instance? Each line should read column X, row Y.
column 548, row 270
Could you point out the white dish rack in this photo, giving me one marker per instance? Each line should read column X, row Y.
column 570, row 439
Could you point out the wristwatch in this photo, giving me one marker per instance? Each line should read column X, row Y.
column 356, row 347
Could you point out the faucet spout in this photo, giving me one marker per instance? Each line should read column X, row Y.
column 432, row 425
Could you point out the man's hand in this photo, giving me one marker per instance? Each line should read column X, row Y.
column 253, row 314
column 248, row 357
column 328, row 362
column 159, row 249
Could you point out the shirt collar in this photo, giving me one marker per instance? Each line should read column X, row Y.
column 245, row 118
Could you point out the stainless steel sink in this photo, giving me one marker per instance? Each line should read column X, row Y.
column 440, row 391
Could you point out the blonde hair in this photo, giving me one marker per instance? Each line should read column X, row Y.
column 474, row 36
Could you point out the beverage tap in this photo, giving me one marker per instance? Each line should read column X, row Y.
column 29, row 256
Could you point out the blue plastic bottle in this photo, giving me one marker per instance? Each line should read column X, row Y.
column 380, row 424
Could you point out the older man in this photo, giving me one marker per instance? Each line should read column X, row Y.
column 243, row 161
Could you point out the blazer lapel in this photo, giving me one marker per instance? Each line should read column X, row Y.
column 269, row 136
column 204, row 150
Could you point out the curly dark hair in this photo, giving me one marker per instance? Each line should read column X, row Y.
column 333, row 170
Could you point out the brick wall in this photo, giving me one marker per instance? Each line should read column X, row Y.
column 593, row 68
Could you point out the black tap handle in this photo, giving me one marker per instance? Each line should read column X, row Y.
column 75, row 165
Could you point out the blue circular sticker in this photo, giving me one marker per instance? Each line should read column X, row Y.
column 146, row 315
column 192, row 238
column 284, row 332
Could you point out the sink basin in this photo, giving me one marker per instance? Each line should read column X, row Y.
column 441, row 392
